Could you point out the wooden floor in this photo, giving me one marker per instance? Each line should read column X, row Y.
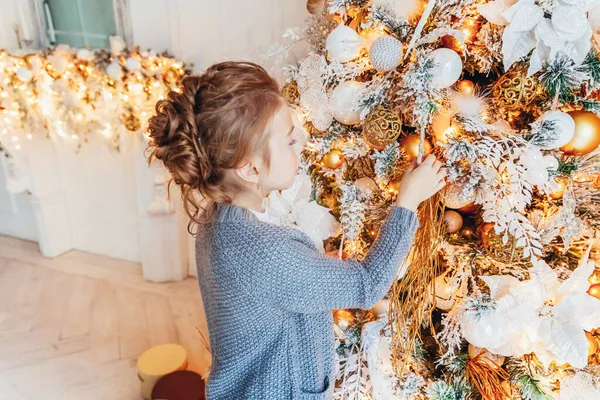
column 72, row 327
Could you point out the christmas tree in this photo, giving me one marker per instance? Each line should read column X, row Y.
column 499, row 297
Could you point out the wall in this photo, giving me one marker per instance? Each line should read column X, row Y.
column 98, row 186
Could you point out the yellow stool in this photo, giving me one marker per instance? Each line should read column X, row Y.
column 157, row 362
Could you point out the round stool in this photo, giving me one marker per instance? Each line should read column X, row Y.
column 157, row 362
column 180, row 385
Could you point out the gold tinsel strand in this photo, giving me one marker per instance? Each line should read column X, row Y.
column 487, row 378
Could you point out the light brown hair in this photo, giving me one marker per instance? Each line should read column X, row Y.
column 216, row 123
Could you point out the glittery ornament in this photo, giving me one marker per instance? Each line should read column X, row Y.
column 385, row 53
column 382, row 127
column 515, row 90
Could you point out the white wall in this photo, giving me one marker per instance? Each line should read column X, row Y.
column 98, row 185
column 207, row 31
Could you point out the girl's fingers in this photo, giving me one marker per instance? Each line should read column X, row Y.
column 440, row 185
column 429, row 160
column 412, row 165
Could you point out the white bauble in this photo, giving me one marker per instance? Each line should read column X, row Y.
column 59, row 62
column 344, row 102
column 382, row 308
column 344, row 44
column 24, row 74
column 447, row 68
column 117, row 45
column 366, row 185
column 407, row 8
column 133, row 64
column 385, row 53
column 114, row 70
column 564, row 125
column 85, row 54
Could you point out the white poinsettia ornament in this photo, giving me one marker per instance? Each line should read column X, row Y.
column 293, row 207
column 541, row 315
column 568, row 31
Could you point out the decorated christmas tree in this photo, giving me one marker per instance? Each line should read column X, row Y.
column 499, row 297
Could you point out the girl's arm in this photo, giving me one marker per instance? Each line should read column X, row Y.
column 292, row 275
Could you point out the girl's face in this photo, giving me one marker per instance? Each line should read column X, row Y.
column 285, row 144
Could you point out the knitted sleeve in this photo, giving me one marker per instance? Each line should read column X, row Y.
column 291, row 274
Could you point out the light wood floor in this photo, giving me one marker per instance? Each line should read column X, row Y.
column 72, row 327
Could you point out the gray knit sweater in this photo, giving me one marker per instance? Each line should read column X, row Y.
column 269, row 295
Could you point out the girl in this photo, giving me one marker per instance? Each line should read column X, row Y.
column 268, row 293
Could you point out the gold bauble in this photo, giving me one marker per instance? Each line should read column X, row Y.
column 444, row 293
column 452, row 43
column 290, row 92
column 334, row 159
column 595, row 277
column 382, row 127
column 466, row 87
column 315, row 6
column 410, row 145
column 132, row 123
column 515, row 90
column 587, row 134
column 594, row 290
column 171, row 75
column 453, row 221
column 558, row 193
column 493, row 360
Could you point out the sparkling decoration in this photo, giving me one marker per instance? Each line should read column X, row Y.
column 410, row 145
column 290, row 92
column 66, row 94
column 172, row 75
column 382, row 127
column 514, row 90
column 453, row 221
column 385, row 53
column 132, row 123
column 343, row 318
column 587, row 134
column 345, row 101
column 344, row 44
column 334, row 159
column 447, row 67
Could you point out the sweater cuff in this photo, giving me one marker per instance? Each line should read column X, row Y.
column 402, row 218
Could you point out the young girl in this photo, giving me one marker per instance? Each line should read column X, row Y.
column 268, row 293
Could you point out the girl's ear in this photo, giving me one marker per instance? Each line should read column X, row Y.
column 248, row 173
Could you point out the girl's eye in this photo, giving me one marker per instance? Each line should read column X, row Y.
column 293, row 142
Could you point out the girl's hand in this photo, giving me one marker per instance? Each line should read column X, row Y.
column 420, row 182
